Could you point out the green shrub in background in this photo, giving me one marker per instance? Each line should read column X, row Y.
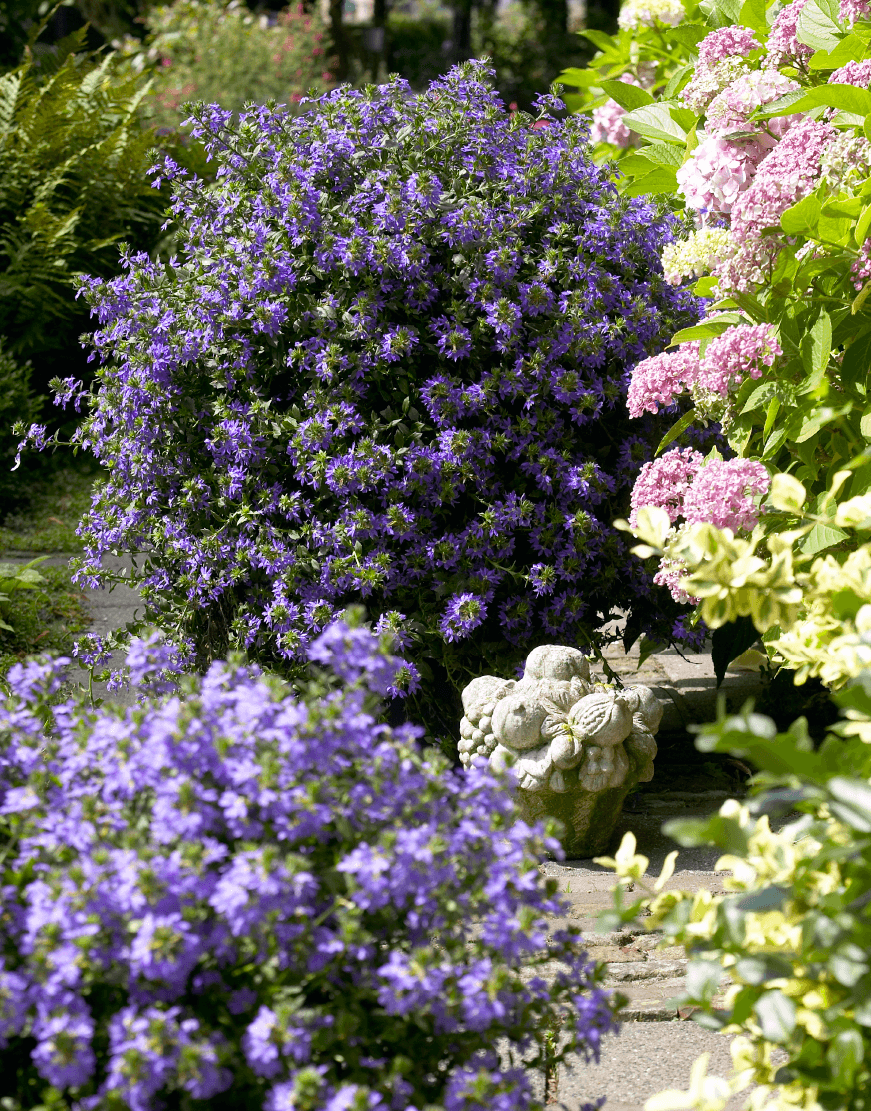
column 415, row 46
column 220, row 53
column 514, row 38
column 515, row 41
column 73, row 184
column 17, row 20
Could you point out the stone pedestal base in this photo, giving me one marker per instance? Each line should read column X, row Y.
column 588, row 820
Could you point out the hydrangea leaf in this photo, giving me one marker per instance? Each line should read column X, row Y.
column 626, row 95
column 664, row 121
column 802, row 218
column 754, row 14
column 818, row 25
column 849, row 49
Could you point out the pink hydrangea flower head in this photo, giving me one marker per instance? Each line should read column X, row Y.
column 706, row 83
column 672, row 573
column 783, row 46
column 860, row 267
column 727, row 42
column 741, row 350
column 725, row 492
column 722, row 56
column 717, row 172
column 658, row 380
column 730, row 109
column 851, row 10
column 853, row 73
column 647, row 13
column 784, row 176
column 608, row 125
column 664, row 482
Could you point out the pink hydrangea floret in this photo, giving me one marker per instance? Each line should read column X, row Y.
column 664, row 482
column 731, row 110
column 717, row 172
column 742, row 350
column 608, row 125
column 721, row 61
column 658, row 380
column 705, row 84
column 853, row 73
column 860, row 267
column 726, row 42
column 673, row 574
column 725, row 494
column 783, row 46
column 851, row 10
column 784, row 176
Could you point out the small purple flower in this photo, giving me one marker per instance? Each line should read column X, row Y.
column 463, row 613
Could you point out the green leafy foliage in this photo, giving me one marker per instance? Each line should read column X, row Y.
column 220, row 53
column 729, row 642
column 14, row 578
column 658, row 62
column 783, row 957
column 42, row 611
column 73, row 184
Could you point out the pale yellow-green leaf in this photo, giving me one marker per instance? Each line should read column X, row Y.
column 653, row 526
column 854, row 513
column 786, row 493
column 667, row 871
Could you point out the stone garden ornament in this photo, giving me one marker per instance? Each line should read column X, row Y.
column 575, row 748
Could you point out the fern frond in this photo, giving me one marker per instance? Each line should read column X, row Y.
column 10, row 86
column 73, row 183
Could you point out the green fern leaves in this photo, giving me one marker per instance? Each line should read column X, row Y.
column 73, row 185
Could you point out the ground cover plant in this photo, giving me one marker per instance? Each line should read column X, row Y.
column 371, row 374
column 222, row 53
column 49, row 508
column 44, row 616
column 18, row 402
column 265, row 900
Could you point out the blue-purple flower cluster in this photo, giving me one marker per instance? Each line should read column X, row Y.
column 235, row 894
column 389, row 365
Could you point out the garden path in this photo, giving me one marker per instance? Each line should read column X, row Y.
column 657, row 1045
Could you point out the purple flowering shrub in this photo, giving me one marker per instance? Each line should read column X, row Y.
column 235, row 894
column 388, row 366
